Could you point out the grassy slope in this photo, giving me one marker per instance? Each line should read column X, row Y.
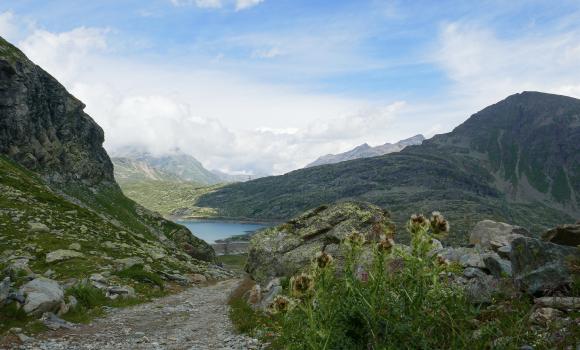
column 169, row 198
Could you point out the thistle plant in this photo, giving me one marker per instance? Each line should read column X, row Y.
column 423, row 231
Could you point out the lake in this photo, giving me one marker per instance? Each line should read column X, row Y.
column 210, row 231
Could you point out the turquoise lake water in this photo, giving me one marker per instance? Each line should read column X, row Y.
column 210, row 231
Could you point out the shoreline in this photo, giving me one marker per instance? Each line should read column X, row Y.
column 178, row 219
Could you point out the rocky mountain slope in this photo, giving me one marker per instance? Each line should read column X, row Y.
column 366, row 151
column 62, row 214
column 517, row 161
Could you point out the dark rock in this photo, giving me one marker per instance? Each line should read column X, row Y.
column 505, row 251
column 497, row 266
column 565, row 235
column 473, row 272
column 541, row 267
column 54, row 322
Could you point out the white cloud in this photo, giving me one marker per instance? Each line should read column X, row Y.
column 198, row 3
column 229, row 122
column 485, row 67
column 245, row 4
column 267, row 53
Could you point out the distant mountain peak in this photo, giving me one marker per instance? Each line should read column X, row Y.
column 366, row 151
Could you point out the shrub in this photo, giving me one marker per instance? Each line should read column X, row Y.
column 137, row 273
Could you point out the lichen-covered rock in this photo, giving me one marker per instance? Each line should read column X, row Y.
column 541, row 267
column 42, row 295
column 285, row 249
column 489, row 234
column 62, row 254
column 195, row 247
column 565, row 235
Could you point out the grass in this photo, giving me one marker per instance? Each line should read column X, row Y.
column 137, row 273
column 236, row 262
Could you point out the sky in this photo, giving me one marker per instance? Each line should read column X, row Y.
column 267, row 86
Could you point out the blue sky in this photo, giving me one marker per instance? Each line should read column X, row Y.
column 267, row 86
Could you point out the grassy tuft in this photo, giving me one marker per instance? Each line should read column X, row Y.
column 137, row 273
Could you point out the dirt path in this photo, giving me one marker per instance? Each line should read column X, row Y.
column 194, row 319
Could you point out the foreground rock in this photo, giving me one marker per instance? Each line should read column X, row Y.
column 194, row 319
column 42, row 295
column 285, row 249
column 565, row 235
column 489, row 234
column 542, row 267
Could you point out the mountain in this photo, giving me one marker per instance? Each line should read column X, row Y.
column 516, row 161
column 62, row 213
column 366, row 151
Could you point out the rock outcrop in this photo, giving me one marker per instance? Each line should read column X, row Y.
column 42, row 295
column 285, row 249
column 565, row 235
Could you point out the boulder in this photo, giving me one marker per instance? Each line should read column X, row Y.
column 74, row 246
column 489, row 234
column 545, row 315
column 52, row 321
column 126, row 263
column 42, row 295
column 561, row 303
column 37, row 227
column 565, row 235
column 541, row 267
column 497, row 266
column 286, row 249
column 62, row 254
column 4, row 289
column 99, row 281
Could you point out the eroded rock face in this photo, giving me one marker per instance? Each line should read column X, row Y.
column 44, row 128
column 542, row 267
column 42, row 295
column 285, row 249
column 565, row 235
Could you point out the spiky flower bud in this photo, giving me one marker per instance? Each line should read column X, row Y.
column 301, row 284
column 385, row 244
column 355, row 239
column 418, row 222
column 439, row 225
column 280, row 304
column 323, row 259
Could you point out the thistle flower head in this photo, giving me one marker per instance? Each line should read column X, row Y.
column 301, row 284
column 418, row 222
column 385, row 244
column 439, row 225
column 280, row 304
column 355, row 239
column 323, row 259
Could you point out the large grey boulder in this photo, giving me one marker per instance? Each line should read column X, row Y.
column 489, row 234
column 42, row 295
column 285, row 249
column 541, row 267
column 565, row 235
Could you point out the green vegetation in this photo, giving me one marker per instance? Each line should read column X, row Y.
column 169, row 198
column 137, row 273
column 234, row 262
column 404, row 300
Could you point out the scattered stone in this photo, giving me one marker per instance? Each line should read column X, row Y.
column 38, row 227
column 62, row 254
column 183, row 280
column 561, row 303
column 54, row 322
column 24, row 338
column 98, row 281
column 129, row 262
column 481, row 289
column 42, row 295
column 114, row 292
column 48, row 273
column 473, row 272
column 74, row 246
column 545, row 315
column 489, row 234
column 198, row 278
column 4, row 289
column 497, row 266
column 540, row 267
column 565, row 235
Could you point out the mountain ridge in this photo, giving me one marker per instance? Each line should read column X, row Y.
column 366, row 151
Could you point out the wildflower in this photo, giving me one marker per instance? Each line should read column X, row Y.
column 323, row 259
column 418, row 223
column 439, row 225
column 280, row 304
column 385, row 244
column 355, row 239
column 301, row 284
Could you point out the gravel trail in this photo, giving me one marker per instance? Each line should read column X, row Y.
column 196, row 318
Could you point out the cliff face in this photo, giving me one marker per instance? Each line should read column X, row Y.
column 44, row 128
